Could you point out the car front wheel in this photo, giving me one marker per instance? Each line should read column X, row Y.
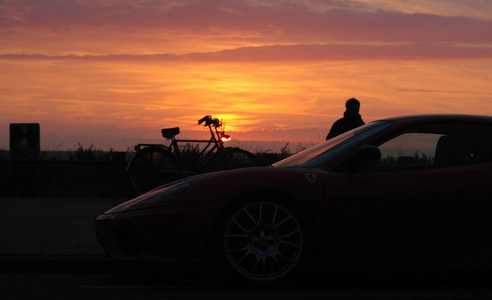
column 263, row 241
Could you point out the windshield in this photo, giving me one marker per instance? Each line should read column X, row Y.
column 326, row 152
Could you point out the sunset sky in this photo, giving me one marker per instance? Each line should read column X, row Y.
column 113, row 73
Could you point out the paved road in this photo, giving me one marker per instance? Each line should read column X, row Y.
column 66, row 278
column 124, row 285
column 48, row 250
column 51, row 226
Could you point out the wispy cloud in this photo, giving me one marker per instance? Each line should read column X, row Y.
column 481, row 9
column 225, row 24
column 343, row 52
column 275, row 69
column 291, row 53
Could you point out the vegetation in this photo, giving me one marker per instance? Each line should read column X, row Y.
column 4, row 154
column 82, row 172
column 91, row 153
column 416, row 160
column 79, row 172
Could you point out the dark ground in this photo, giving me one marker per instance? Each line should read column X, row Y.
column 48, row 250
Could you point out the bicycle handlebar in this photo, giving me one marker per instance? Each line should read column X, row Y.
column 209, row 121
column 204, row 119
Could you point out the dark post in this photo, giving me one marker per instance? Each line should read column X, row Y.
column 24, row 141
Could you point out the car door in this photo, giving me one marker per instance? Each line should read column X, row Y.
column 410, row 202
column 392, row 213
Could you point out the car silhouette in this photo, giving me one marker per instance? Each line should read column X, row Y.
column 409, row 190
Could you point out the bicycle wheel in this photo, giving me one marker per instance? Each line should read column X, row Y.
column 151, row 168
column 234, row 158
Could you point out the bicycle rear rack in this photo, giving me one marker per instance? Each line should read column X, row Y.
column 140, row 146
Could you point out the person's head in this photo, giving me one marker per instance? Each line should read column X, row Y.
column 352, row 105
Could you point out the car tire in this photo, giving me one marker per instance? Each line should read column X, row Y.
column 262, row 242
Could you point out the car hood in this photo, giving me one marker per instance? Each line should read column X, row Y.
column 153, row 197
column 231, row 184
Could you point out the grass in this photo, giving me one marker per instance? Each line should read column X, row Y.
column 80, row 172
column 89, row 153
column 84, row 171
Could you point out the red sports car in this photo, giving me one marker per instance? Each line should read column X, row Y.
column 405, row 189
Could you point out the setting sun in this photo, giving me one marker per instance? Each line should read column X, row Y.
column 283, row 77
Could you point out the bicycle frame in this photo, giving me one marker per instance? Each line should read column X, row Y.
column 205, row 156
column 157, row 164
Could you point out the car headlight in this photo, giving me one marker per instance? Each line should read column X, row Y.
column 154, row 198
column 165, row 194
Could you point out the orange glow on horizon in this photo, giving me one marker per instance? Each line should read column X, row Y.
column 292, row 102
column 114, row 75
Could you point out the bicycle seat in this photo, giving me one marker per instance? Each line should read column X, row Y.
column 170, row 132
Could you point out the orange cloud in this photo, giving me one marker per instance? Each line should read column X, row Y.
column 272, row 101
column 272, row 70
column 148, row 27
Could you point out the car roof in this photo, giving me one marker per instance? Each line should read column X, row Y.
column 440, row 118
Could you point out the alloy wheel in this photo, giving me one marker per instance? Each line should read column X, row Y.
column 263, row 241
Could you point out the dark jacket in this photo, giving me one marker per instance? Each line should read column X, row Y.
column 345, row 124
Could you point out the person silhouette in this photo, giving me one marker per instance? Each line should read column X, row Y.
column 351, row 119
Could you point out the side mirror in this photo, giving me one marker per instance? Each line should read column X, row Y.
column 366, row 153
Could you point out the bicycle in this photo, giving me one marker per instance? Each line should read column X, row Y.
column 157, row 164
